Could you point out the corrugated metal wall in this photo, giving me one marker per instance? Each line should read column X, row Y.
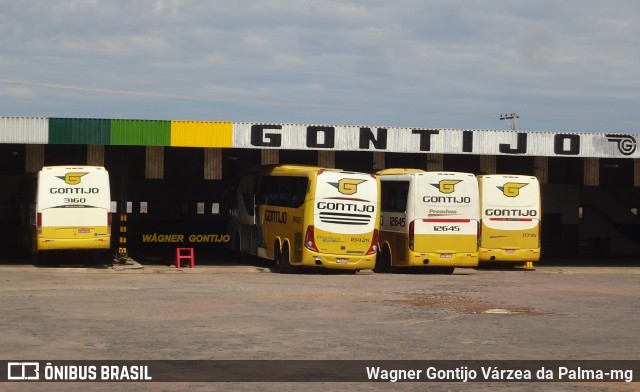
column 315, row 137
column 24, row 130
column 201, row 134
column 141, row 132
column 79, row 131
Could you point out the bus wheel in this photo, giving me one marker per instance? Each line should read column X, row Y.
column 283, row 261
column 383, row 261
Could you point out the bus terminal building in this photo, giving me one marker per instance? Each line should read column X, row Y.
column 171, row 180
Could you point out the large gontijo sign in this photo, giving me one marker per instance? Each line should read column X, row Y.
column 440, row 141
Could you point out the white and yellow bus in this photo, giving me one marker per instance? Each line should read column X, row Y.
column 429, row 219
column 71, row 210
column 307, row 216
column 511, row 215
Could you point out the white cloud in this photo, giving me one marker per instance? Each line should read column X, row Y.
column 412, row 63
column 19, row 92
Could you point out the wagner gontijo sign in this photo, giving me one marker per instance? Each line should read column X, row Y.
column 183, row 238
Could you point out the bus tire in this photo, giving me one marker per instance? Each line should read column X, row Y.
column 383, row 261
column 283, row 262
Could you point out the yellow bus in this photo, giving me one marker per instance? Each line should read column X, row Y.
column 511, row 215
column 71, row 210
column 307, row 216
column 429, row 219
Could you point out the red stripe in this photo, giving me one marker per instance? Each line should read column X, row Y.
column 512, row 219
column 446, row 220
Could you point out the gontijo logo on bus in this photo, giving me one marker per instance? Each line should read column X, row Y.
column 346, row 210
column 347, row 186
column 72, row 178
column 446, row 186
column 511, row 189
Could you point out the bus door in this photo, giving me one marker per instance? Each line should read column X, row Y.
column 244, row 216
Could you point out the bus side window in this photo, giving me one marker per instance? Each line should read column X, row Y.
column 394, row 195
column 403, row 194
column 386, row 196
column 299, row 190
column 283, row 191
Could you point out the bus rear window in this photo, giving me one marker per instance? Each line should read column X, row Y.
column 282, row 191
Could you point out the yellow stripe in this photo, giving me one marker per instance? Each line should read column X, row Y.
column 201, row 134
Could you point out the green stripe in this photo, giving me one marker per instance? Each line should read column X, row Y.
column 79, row 131
column 141, row 132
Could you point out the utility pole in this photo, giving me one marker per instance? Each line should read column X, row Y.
column 511, row 116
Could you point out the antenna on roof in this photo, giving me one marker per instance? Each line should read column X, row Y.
column 511, row 116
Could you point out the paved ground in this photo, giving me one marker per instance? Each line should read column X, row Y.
column 246, row 312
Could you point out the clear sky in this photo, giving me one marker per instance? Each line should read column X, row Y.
column 568, row 65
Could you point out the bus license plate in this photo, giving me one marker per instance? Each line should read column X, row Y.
column 446, row 255
column 83, row 231
column 342, row 261
column 510, row 251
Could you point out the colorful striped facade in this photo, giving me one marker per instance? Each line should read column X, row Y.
column 115, row 132
column 301, row 137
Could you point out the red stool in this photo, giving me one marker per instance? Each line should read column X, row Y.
column 188, row 255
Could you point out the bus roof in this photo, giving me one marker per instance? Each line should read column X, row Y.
column 521, row 176
column 396, row 171
column 72, row 167
column 292, row 169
